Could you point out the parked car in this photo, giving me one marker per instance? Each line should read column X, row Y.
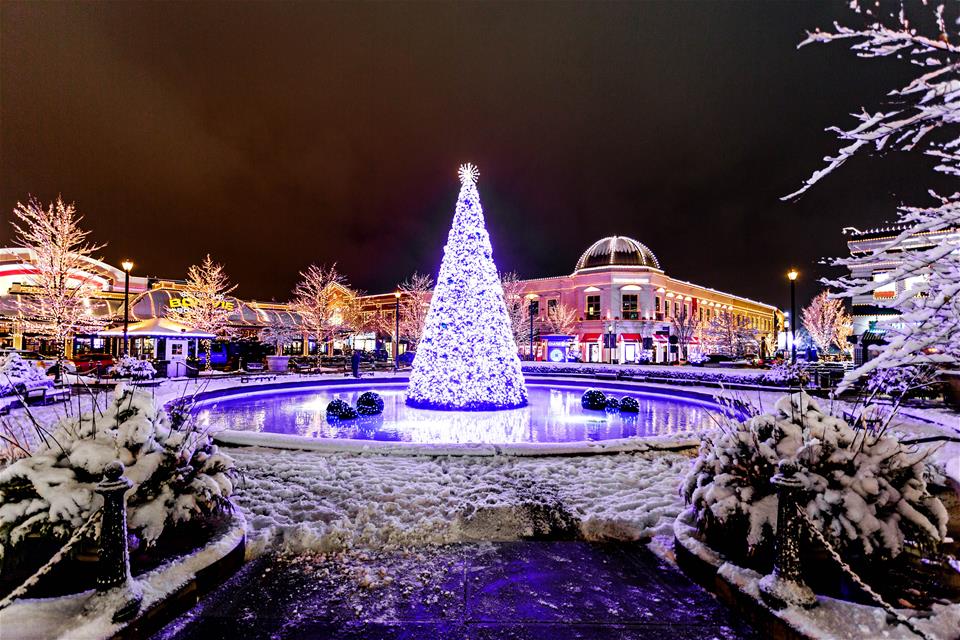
column 98, row 363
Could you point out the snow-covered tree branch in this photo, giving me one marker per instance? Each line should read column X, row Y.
column 920, row 116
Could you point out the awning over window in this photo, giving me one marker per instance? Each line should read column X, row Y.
column 630, row 337
column 693, row 340
column 590, row 337
column 659, row 337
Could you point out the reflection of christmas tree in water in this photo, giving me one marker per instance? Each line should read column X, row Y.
column 467, row 357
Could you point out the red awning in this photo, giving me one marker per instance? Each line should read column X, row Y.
column 590, row 337
column 630, row 337
column 660, row 337
column 693, row 340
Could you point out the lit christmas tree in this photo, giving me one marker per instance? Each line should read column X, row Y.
column 467, row 357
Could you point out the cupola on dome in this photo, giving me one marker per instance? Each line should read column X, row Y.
column 614, row 251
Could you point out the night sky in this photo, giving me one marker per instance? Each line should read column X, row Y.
column 273, row 135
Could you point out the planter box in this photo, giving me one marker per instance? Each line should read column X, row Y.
column 278, row 364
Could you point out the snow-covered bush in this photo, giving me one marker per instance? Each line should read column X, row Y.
column 786, row 375
column 867, row 494
column 901, row 382
column 177, row 475
column 17, row 374
column 696, row 357
column 130, row 367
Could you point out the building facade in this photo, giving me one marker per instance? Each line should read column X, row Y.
column 626, row 305
column 621, row 306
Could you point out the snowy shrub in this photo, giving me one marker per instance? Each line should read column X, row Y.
column 786, row 375
column 867, row 494
column 369, row 404
column 901, row 382
column 697, row 358
column 17, row 374
column 629, row 405
column 612, row 404
column 340, row 410
column 177, row 475
column 593, row 399
column 130, row 367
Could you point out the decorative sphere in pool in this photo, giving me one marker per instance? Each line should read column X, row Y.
column 554, row 414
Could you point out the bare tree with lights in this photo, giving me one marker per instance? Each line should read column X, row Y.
column 730, row 334
column 207, row 306
column 561, row 319
column 685, row 327
column 59, row 306
column 518, row 307
column 278, row 333
column 827, row 322
column 414, row 304
column 325, row 303
column 922, row 117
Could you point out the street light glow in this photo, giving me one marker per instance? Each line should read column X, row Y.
column 792, row 274
column 127, row 265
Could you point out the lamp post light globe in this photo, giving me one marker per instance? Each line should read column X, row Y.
column 792, row 276
column 127, row 266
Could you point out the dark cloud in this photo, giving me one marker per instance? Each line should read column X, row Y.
column 277, row 134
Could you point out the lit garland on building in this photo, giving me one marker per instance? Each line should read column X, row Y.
column 467, row 357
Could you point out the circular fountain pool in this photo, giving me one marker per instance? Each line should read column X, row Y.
column 553, row 415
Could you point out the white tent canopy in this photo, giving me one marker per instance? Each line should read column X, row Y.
column 156, row 328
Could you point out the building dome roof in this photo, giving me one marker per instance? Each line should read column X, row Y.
column 617, row 251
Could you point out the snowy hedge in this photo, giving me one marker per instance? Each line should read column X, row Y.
column 130, row 367
column 17, row 374
column 866, row 493
column 177, row 474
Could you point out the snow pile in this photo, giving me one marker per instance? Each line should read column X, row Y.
column 17, row 374
column 866, row 493
column 302, row 501
column 176, row 474
column 786, row 375
column 130, row 367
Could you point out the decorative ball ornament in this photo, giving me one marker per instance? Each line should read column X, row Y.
column 629, row 405
column 593, row 399
column 340, row 410
column 369, row 404
column 612, row 404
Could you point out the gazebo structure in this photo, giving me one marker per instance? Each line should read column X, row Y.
column 161, row 339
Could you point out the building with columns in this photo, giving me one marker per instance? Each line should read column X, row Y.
column 625, row 304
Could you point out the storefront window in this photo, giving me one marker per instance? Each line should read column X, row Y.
column 630, row 307
column 593, row 308
column 552, row 306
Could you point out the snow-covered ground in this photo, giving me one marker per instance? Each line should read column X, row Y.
column 299, row 500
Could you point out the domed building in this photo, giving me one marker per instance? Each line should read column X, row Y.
column 623, row 306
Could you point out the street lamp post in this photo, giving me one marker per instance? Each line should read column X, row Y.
column 127, row 266
column 530, row 313
column 396, row 334
column 792, row 275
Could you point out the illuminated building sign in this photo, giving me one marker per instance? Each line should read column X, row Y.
column 186, row 301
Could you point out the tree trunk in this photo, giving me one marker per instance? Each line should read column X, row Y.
column 208, row 345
